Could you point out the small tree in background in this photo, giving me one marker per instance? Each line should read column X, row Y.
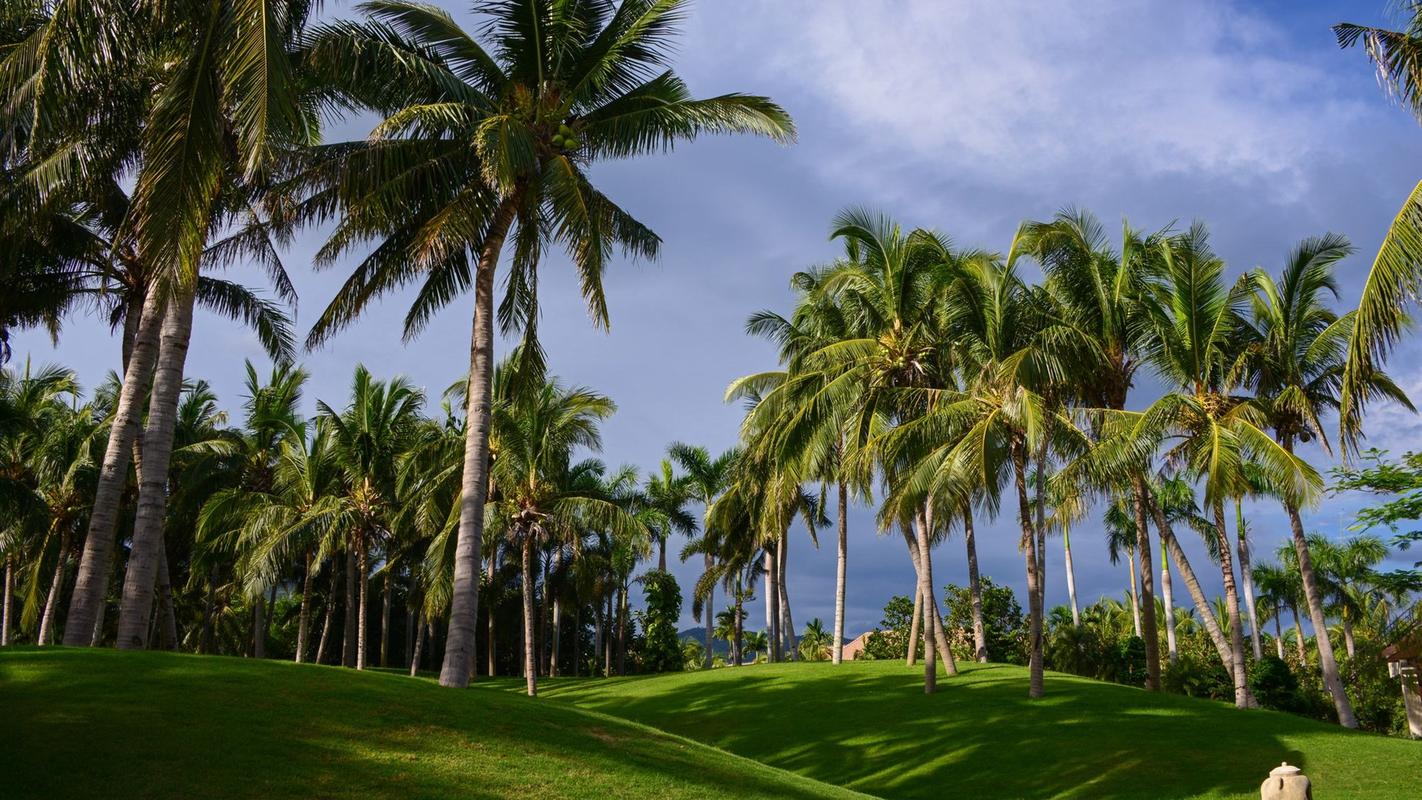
column 663, row 650
column 1002, row 622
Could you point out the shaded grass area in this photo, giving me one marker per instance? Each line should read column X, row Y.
column 868, row 726
column 99, row 723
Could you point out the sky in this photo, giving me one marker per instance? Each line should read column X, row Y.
column 965, row 117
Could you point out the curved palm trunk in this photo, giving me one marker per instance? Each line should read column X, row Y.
column 1299, row 646
column 46, row 631
column 1278, row 632
column 915, row 626
column 767, row 568
column 607, row 643
column 462, row 641
column 772, row 596
column 738, row 641
column 490, row 653
column 330, row 612
column 787, row 621
column 1236, row 625
column 139, row 581
column 975, row 588
column 557, row 618
column 1246, row 575
column 1192, row 583
column 841, row 570
column 1349, row 646
column 1327, row 663
column 530, row 641
column 95, row 565
column 1148, row 628
column 1070, row 576
column 1036, row 686
column 419, row 647
column 1168, row 598
column 940, row 634
column 710, row 614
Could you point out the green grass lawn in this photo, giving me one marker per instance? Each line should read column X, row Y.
column 99, row 723
column 868, row 726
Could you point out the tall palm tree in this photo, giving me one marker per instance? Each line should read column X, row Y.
column 1295, row 360
column 1121, row 538
column 487, row 138
column 668, row 493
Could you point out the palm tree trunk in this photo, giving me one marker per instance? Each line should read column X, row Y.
column 1278, row 632
column 841, row 571
column 1029, row 542
column 385, row 619
column 607, row 640
column 1040, row 505
column 419, row 647
column 927, row 606
column 209, row 611
column 599, row 625
column 1192, row 583
column 1168, row 597
column 710, row 614
column 56, row 584
column 1070, row 576
column 489, row 569
column 1246, row 575
column 787, row 623
column 167, row 616
column 767, row 566
column 139, row 581
column 772, row 599
column 362, row 564
column 1299, row 638
column 1327, row 663
column 330, row 613
column 96, row 564
column 541, row 605
column 8, row 602
column 1143, row 547
column 1135, row 599
column 662, row 553
column 348, row 648
column 1236, row 625
column 975, row 588
column 530, row 642
column 1349, row 646
column 912, row 657
column 925, row 591
column 303, row 622
column 738, row 631
column 622, row 631
column 557, row 618
column 462, row 642
column 259, row 627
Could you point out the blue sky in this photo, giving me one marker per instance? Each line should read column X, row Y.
column 967, row 117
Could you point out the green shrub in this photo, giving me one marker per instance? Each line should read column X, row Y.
column 1273, row 684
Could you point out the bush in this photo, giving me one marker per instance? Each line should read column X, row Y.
column 1273, row 684
column 1195, row 676
column 1002, row 622
column 890, row 639
column 1131, row 662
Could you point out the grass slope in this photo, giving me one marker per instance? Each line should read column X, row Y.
column 868, row 726
column 98, row 723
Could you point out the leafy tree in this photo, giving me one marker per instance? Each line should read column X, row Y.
column 662, row 651
column 1002, row 620
column 890, row 639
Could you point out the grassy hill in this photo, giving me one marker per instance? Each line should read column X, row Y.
column 868, row 726
column 156, row 725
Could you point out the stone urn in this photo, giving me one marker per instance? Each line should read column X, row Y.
column 1285, row 783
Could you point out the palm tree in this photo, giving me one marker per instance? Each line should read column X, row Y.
column 503, row 131
column 1295, row 362
column 1120, row 527
column 708, row 478
column 668, row 493
column 815, row 641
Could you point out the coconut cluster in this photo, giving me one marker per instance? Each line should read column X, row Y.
column 566, row 139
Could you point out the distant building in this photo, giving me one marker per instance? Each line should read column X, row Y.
column 853, row 648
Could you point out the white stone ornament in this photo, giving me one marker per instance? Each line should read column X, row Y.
column 1286, row 782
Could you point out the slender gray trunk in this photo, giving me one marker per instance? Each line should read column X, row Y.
column 8, row 602
column 1348, row 645
column 303, row 622
column 557, row 625
column 622, row 631
column 1236, row 624
column 1135, row 598
column 139, row 582
column 710, row 612
column 419, row 647
column 914, row 627
column 530, row 641
column 167, row 615
column 927, row 606
column 1034, row 597
column 925, row 591
column 1168, row 598
column 56, row 585
column 1148, row 627
column 259, row 628
column 607, row 640
column 1328, row 664
column 1070, row 576
column 1299, row 645
column 598, row 623
column 349, row 638
column 1246, row 576
column 95, row 565
column 787, row 625
column 385, row 619
column 772, row 597
column 361, row 626
column 462, row 641
column 841, row 571
column 1278, row 632
column 329, row 615
column 975, row 588
column 489, row 570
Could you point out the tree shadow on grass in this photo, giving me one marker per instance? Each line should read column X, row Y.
column 150, row 725
column 869, row 727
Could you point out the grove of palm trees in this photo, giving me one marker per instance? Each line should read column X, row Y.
column 268, row 529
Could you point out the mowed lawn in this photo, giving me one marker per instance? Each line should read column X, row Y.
column 104, row 724
column 868, row 726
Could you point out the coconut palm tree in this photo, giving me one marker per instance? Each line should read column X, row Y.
column 1295, row 361
column 1120, row 525
column 668, row 493
column 503, row 127
column 708, row 478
